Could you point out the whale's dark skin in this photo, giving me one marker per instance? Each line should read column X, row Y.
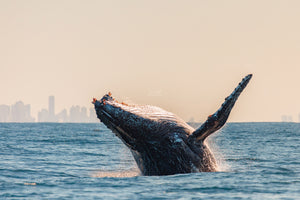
column 161, row 142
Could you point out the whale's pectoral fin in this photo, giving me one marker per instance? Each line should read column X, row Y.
column 219, row 118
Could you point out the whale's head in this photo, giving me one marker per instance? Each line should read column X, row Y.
column 136, row 125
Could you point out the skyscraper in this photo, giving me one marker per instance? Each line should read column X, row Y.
column 51, row 106
column 4, row 113
column 48, row 115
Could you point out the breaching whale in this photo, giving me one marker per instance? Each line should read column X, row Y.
column 162, row 143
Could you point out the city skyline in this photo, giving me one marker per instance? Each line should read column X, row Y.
column 20, row 112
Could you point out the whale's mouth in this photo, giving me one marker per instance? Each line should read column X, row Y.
column 102, row 114
column 107, row 110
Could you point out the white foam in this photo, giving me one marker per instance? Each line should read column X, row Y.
column 222, row 165
column 129, row 173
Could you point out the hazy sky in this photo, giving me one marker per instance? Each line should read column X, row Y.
column 184, row 56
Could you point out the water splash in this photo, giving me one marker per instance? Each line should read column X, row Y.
column 32, row 184
column 222, row 165
column 117, row 174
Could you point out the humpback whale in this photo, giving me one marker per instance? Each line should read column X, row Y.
column 160, row 142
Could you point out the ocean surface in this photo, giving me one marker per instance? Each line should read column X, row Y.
column 87, row 161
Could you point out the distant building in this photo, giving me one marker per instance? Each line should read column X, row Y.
column 286, row 118
column 79, row 115
column 51, row 109
column 48, row 115
column 83, row 115
column 192, row 120
column 75, row 114
column 4, row 113
column 93, row 116
column 43, row 116
column 62, row 116
column 21, row 113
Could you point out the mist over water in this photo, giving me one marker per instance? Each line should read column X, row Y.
column 87, row 161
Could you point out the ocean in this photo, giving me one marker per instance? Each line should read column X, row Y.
column 87, row 161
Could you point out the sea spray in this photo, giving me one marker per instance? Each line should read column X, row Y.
column 222, row 165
